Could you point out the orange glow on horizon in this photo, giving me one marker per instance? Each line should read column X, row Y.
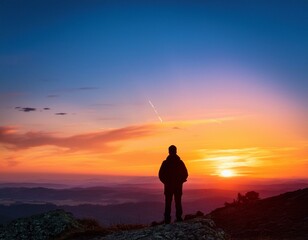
column 225, row 154
column 236, row 131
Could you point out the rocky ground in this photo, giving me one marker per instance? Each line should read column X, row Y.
column 198, row 228
column 61, row 225
column 40, row 227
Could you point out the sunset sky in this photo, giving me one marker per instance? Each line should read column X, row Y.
column 105, row 87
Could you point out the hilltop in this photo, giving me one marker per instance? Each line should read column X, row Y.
column 61, row 225
column 280, row 217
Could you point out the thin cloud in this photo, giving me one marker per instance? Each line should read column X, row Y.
column 53, row 95
column 11, row 162
column 11, row 94
column 245, row 169
column 182, row 123
column 61, row 113
column 30, row 109
column 68, row 90
column 102, row 140
column 102, row 105
column 7, row 130
column 26, row 109
column 85, row 88
column 88, row 88
column 109, row 119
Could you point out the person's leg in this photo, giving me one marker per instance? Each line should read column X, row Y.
column 168, row 200
column 178, row 206
column 178, row 202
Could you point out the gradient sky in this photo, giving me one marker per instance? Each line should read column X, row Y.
column 104, row 87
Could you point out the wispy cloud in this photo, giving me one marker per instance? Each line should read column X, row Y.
column 99, row 105
column 11, row 94
column 179, row 124
column 56, row 94
column 87, row 88
column 102, row 140
column 78, row 89
column 26, row 109
column 53, row 95
column 11, row 162
column 61, row 113
column 31, row 109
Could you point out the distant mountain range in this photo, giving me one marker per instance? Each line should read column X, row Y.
column 108, row 205
column 123, row 203
column 284, row 216
column 280, row 217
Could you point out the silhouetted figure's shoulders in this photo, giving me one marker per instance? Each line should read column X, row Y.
column 173, row 171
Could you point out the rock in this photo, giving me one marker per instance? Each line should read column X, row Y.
column 40, row 227
column 197, row 228
column 192, row 216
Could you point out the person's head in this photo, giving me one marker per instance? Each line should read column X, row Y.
column 172, row 150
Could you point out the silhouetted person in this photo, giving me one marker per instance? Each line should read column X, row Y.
column 173, row 174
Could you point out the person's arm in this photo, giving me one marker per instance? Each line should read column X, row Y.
column 184, row 172
column 162, row 173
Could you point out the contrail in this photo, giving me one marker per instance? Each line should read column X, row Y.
column 155, row 111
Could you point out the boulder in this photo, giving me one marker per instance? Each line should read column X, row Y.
column 40, row 227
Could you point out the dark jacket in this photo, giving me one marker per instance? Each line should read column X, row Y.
column 173, row 171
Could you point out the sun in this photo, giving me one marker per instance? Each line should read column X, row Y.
column 226, row 173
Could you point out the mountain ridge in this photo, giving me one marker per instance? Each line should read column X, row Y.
column 284, row 216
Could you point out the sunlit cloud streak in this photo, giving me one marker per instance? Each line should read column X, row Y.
column 101, row 140
column 254, row 161
column 183, row 123
column 13, row 139
column 11, row 162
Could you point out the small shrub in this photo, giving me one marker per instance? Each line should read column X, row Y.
column 243, row 199
column 192, row 216
column 252, row 196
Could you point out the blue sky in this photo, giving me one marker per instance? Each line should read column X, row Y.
column 123, row 52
